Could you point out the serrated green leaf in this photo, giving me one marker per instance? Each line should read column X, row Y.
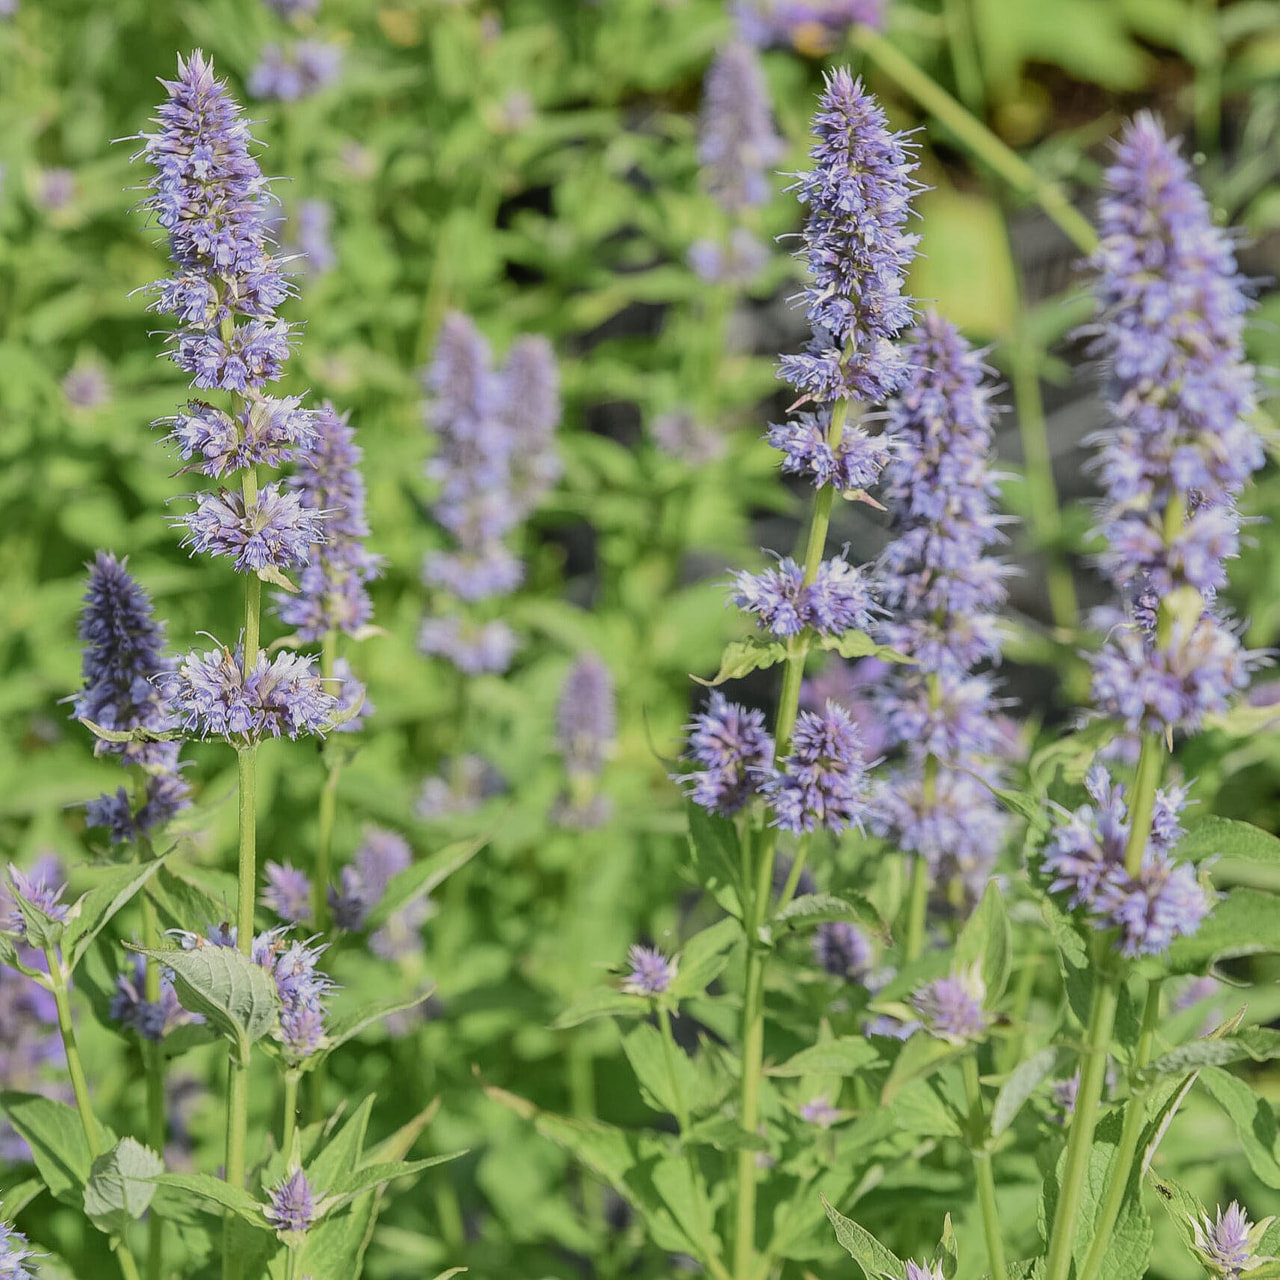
column 857, row 644
column 846, row 1056
column 366, row 1177
column 947, row 1257
column 919, row 1058
column 234, row 994
column 421, row 878
column 716, row 856
column 342, row 1153
column 16, row 1198
column 1253, row 1118
column 875, row 1260
column 602, row 1002
column 218, row 1194
column 1246, row 922
column 812, row 909
column 1021, row 1084
column 703, row 958
column 986, row 941
column 346, row 1025
column 1259, row 1044
column 1213, row 837
column 741, row 657
column 121, row 1186
column 56, row 1137
column 1181, row 1205
column 101, row 903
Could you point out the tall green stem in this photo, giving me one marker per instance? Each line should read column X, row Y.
column 1135, row 1119
column 982, row 1170
column 152, row 1055
column 1093, row 1074
column 328, row 803
column 1044, row 506
column 970, row 131
column 756, row 911
column 917, row 907
column 80, row 1088
column 290, row 1112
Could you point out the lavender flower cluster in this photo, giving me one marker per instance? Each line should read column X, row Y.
column 586, row 729
column 494, row 461
column 941, row 588
column 1085, row 855
column 1171, row 306
column 737, row 145
column 814, row 27
column 122, row 664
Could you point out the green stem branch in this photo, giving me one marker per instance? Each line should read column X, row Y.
column 983, row 1173
column 975, row 135
column 290, row 1112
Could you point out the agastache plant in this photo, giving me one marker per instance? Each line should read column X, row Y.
column 209, row 195
column 856, row 249
column 1171, row 308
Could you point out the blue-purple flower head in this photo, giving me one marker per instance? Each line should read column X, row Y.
column 733, row 755
column 737, row 261
column 291, row 1204
column 280, row 697
column 812, row 27
column 952, row 1007
column 737, row 143
column 843, row 950
column 287, row 892
column 16, row 1259
column 1230, row 1245
column 651, row 972
column 40, row 890
column 267, row 431
column 586, row 716
column 311, row 231
column 852, row 463
column 822, row 781
column 475, row 648
column 1171, row 307
column 820, row 1113
column 837, row 600
column 333, row 588
column 530, row 387
column 919, row 1271
column 302, row 987
column 150, row 1019
column 856, row 248
column 30, row 1046
column 275, row 531
column 1085, row 855
column 298, row 70
column 210, row 196
column 382, row 854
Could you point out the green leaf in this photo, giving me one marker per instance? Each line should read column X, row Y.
column 947, row 1256
column 812, row 909
column 16, row 1198
column 56, row 1137
column 653, row 1063
column 724, row 1133
column 132, row 735
column 717, row 856
column 920, row 1057
column 1023, row 804
column 369, row 1176
column 857, row 644
column 1225, row 837
column 217, row 1195
column 236, row 995
column 875, row 1260
column 1244, row 923
column 1182, row 1206
column 846, row 1056
column 1257, row 1043
column 102, row 902
column 741, row 657
column 421, row 878
column 1253, row 1118
column 704, row 957
column 342, row 1153
column 987, row 942
column 121, row 1186
column 1023, row 1081
column 601, row 1002
column 1073, row 958
column 347, row 1024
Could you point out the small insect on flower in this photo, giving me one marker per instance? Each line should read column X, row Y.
column 1228, row 1246
column 651, row 972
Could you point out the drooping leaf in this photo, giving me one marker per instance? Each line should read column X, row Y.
column 1253, row 1118
column 1246, row 922
column 1258, row 1044
column 703, row 958
column 1214, row 837
column 717, row 856
column 812, row 909
column 121, row 1186
column 987, row 942
column 56, row 1137
column 920, row 1057
column 345, row 1025
column 366, row 1177
column 602, row 1002
column 741, row 657
column 101, row 903
column 858, row 644
column 420, row 879
column 216, row 1195
column 234, row 994
column 1023, row 1081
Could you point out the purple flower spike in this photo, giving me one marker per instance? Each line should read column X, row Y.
column 842, row 950
column 918, row 1271
column 856, row 248
column 952, row 1007
column 822, row 782
column 734, row 753
column 287, row 892
column 382, row 855
column 277, row 531
column 586, row 716
column 651, row 972
column 152, row 1020
column 282, row 696
column 737, row 143
column 291, row 1206
column 813, row 27
column 14, row 1254
column 838, row 600
column 299, row 70
column 37, row 890
column 1229, row 1245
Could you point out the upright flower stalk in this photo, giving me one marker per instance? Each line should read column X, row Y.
column 941, row 588
column 1171, row 308
column 210, row 196
column 856, row 248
